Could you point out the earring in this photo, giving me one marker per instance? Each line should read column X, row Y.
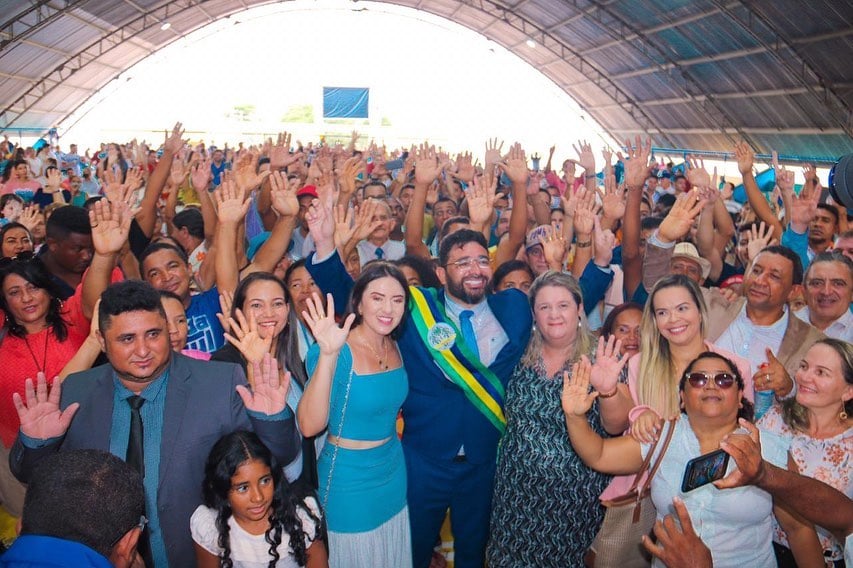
column 842, row 416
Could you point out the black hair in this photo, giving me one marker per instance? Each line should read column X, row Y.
column 607, row 327
column 70, row 482
column 831, row 210
column 460, row 239
column 168, row 294
column 444, row 199
column 67, row 220
column 291, row 269
column 158, row 246
column 376, row 183
column 747, row 226
column 33, row 270
column 192, row 219
column 128, row 296
column 424, row 269
column 227, row 455
column 747, row 409
column 666, row 200
column 459, row 219
column 14, row 225
column 287, row 348
column 374, row 271
column 90, row 202
column 510, row 266
column 649, row 223
column 797, row 271
column 5, row 199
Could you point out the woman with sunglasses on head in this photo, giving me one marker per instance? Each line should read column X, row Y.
column 672, row 333
column 357, row 386
column 735, row 524
column 40, row 333
column 818, row 424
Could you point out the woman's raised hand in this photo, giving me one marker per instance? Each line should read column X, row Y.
column 608, row 365
column 323, row 326
column 577, row 398
column 245, row 337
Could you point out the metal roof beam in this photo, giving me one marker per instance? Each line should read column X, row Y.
column 44, row 13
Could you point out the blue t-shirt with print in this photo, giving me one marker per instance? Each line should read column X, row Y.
column 205, row 331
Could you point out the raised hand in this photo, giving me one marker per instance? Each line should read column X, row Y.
column 481, row 200
column 647, row 427
column 613, row 199
column 231, row 207
column 465, row 169
column 604, row 242
column 134, row 178
column 201, row 175
column 803, row 210
column 586, row 158
column 174, row 141
column 54, row 180
column 40, row 416
column 772, row 376
column 325, row 330
column 679, row 220
column 759, row 239
column 30, row 217
column 585, row 212
column 577, row 399
column 269, row 393
column 226, row 300
column 608, row 365
column 493, row 152
column 344, row 224
column 554, row 247
column 178, row 172
column 348, row 177
column 696, row 173
column 515, row 165
column 745, row 158
column 607, row 154
column 636, row 162
column 246, row 172
column 321, row 222
column 244, row 335
column 364, row 223
column 746, row 451
column 280, row 156
column 426, row 164
column 110, row 224
column 283, row 196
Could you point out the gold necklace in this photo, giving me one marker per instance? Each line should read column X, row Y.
column 379, row 359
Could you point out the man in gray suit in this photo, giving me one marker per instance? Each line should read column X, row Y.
column 159, row 410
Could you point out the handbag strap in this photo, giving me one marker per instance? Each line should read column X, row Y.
column 645, row 466
column 641, row 494
column 669, row 432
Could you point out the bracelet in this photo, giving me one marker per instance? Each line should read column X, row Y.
column 609, row 394
column 583, row 244
column 589, row 176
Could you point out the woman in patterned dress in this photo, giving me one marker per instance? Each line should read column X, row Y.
column 545, row 508
column 818, row 425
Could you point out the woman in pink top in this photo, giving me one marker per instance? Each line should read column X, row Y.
column 672, row 335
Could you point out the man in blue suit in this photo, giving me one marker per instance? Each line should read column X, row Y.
column 450, row 441
column 159, row 410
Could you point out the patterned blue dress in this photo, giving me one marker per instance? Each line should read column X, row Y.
column 545, row 509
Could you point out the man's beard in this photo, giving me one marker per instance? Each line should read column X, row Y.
column 457, row 290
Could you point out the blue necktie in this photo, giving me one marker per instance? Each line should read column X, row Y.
column 379, row 253
column 468, row 331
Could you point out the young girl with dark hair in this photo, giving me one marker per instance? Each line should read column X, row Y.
column 251, row 516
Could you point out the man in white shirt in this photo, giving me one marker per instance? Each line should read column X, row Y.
column 828, row 293
column 378, row 245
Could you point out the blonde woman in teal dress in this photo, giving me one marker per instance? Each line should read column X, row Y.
column 356, row 388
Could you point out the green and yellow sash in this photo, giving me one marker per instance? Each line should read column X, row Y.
column 464, row 368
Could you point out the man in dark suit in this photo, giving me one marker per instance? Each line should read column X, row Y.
column 159, row 410
column 450, row 444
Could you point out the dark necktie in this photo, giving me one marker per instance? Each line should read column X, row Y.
column 136, row 459
column 379, row 253
column 135, row 455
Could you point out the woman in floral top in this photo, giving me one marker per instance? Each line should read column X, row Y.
column 819, row 426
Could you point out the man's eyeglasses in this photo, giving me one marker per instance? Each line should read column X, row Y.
column 24, row 256
column 466, row 263
column 698, row 379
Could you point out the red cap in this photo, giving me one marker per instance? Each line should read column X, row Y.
column 308, row 190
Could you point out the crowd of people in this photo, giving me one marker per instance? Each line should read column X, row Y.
column 327, row 355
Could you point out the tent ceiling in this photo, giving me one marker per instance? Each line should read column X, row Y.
column 695, row 74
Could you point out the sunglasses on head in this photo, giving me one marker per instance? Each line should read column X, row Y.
column 698, row 379
column 24, row 256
